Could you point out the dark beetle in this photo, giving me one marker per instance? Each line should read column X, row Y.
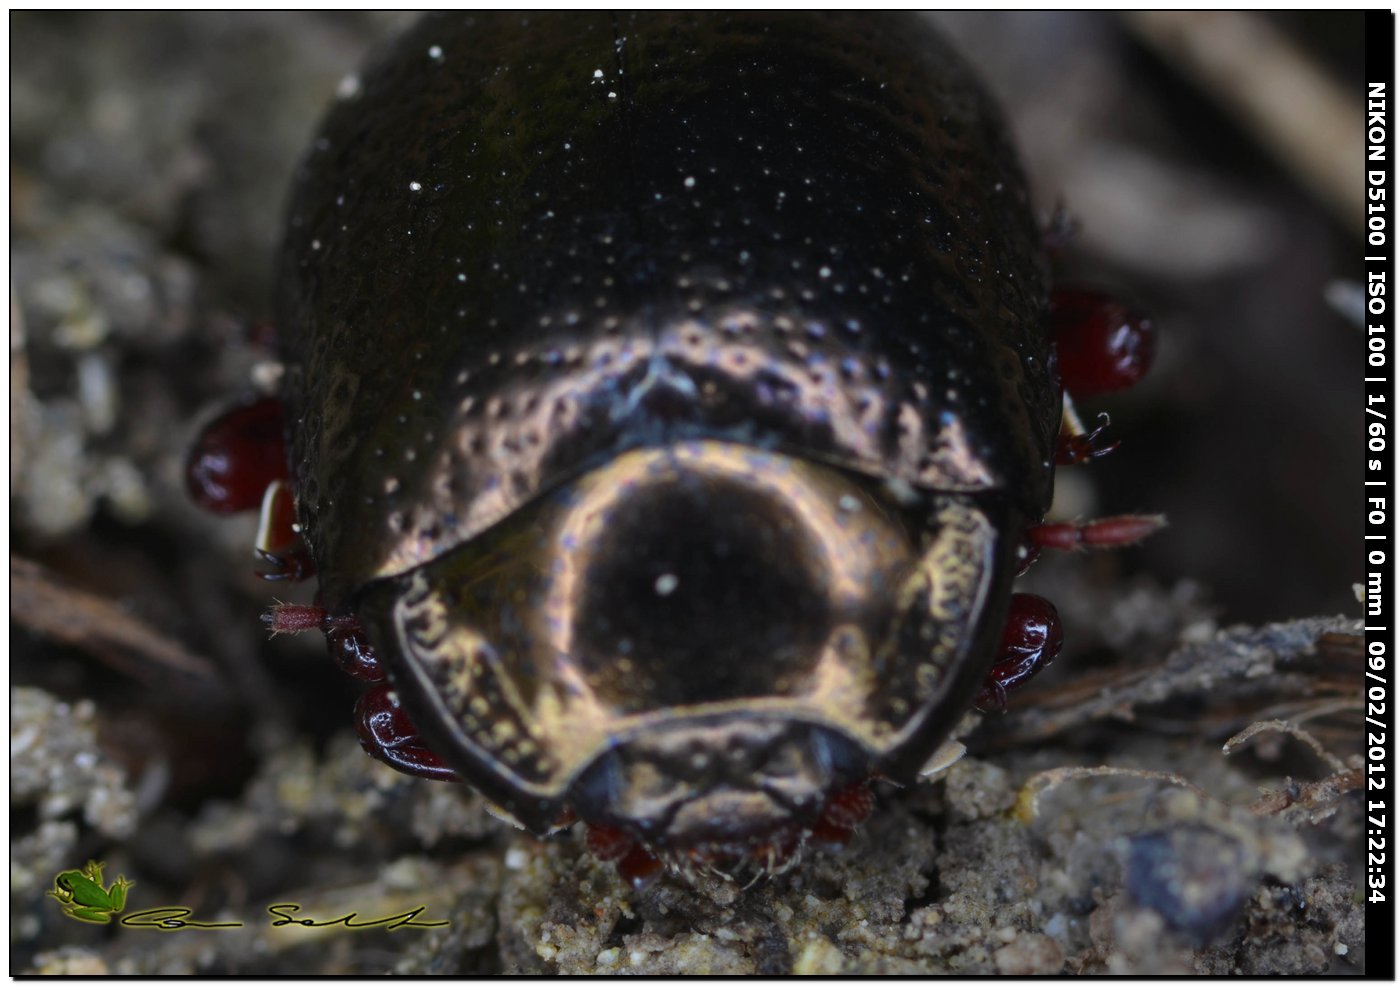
column 669, row 398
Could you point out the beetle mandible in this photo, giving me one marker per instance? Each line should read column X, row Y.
column 670, row 401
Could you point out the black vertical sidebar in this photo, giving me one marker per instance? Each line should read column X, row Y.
column 1379, row 415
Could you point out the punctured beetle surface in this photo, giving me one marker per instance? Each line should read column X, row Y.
column 668, row 398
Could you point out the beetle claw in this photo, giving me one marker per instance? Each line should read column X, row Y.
column 1076, row 448
column 294, row 567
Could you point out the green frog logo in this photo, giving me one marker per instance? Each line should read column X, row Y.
column 84, row 898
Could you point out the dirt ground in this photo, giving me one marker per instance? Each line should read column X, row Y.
column 1179, row 794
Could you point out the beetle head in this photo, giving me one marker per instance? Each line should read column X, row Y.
column 698, row 644
column 706, row 790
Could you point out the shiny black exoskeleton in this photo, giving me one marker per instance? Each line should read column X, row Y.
column 669, row 394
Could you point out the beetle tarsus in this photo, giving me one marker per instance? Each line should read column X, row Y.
column 1106, row 532
column 346, row 639
column 294, row 618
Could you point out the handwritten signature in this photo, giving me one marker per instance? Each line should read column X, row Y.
column 179, row 919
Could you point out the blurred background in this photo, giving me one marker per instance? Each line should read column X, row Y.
column 1212, row 163
column 150, row 154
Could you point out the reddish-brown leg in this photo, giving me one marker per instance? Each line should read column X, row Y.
column 388, row 735
column 239, row 463
column 237, row 456
column 608, row 842
column 351, row 650
column 386, row 732
column 279, row 541
column 634, row 864
column 345, row 638
column 842, row 814
column 1031, row 640
column 1102, row 345
column 1076, row 448
column 833, row 829
column 639, row 868
column 1106, row 532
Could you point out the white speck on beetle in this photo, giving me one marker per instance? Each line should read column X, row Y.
column 315, row 244
column 349, row 87
column 414, row 186
column 690, row 182
column 848, row 503
column 825, row 272
column 612, row 95
column 435, row 53
column 597, row 73
column 903, row 493
column 666, row 584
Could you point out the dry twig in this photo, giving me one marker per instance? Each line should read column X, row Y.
column 1276, row 90
column 92, row 623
